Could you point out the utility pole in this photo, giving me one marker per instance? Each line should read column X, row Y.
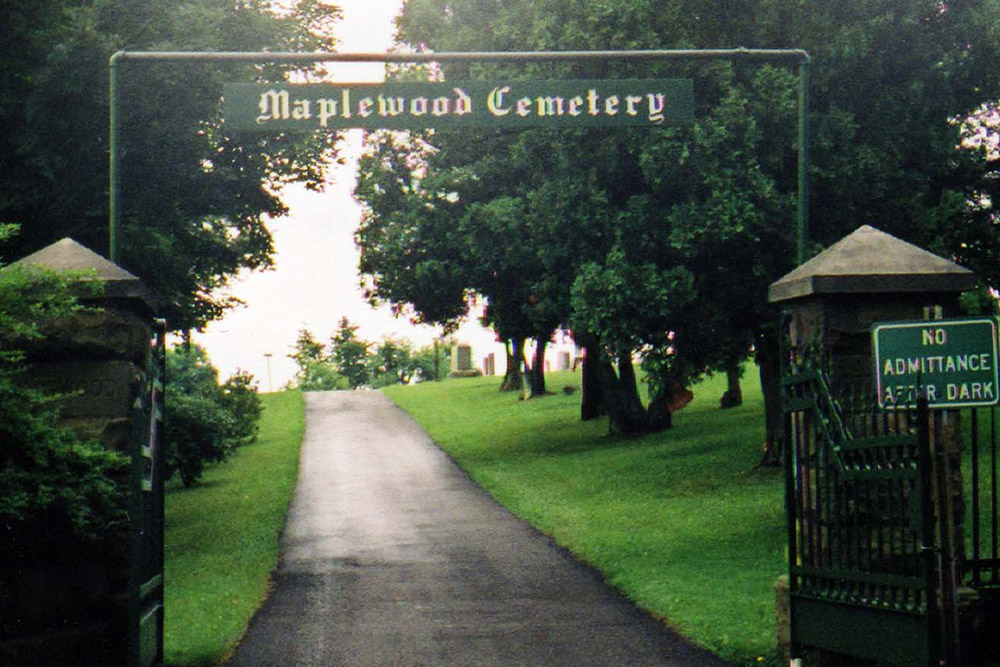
column 270, row 388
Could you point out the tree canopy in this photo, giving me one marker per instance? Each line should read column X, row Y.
column 664, row 241
column 195, row 197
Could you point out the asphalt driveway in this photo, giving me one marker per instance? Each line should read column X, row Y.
column 392, row 556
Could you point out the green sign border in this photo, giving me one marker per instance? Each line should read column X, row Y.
column 927, row 362
column 317, row 107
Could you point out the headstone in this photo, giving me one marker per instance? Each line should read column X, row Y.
column 462, row 361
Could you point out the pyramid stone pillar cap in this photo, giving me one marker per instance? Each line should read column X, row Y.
column 869, row 261
column 69, row 256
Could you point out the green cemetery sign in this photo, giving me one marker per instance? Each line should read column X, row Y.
column 508, row 104
column 951, row 362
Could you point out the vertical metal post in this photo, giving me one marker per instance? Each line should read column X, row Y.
column 928, row 544
column 114, row 185
column 974, row 444
column 803, row 161
column 994, row 572
column 270, row 387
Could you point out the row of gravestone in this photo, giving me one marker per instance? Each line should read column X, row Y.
column 461, row 362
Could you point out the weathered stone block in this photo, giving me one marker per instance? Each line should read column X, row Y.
column 564, row 360
column 96, row 335
column 88, row 388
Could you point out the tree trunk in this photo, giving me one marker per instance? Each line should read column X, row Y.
column 538, row 367
column 513, row 380
column 670, row 395
column 621, row 397
column 630, row 387
column 734, row 393
column 660, row 416
column 768, row 360
column 592, row 404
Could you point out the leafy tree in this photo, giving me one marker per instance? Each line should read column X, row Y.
column 316, row 371
column 890, row 83
column 394, row 362
column 349, row 354
column 605, row 299
column 435, row 230
column 195, row 196
column 410, row 255
column 427, row 362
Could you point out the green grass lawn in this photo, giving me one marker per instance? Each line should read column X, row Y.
column 222, row 538
column 683, row 522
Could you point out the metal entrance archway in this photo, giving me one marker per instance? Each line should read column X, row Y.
column 145, row 627
column 798, row 56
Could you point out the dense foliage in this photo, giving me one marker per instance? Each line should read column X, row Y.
column 350, row 362
column 663, row 241
column 316, row 372
column 54, row 487
column 195, row 197
column 204, row 421
column 350, row 354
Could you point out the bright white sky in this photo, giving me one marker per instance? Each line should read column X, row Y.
column 315, row 282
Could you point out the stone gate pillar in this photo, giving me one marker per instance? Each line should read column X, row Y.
column 70, row 609
column 869, row 276
column 830, row 304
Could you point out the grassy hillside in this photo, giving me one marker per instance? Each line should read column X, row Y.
column 683, row 522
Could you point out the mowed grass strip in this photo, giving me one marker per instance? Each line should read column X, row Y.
column 222, row 538
column 683, row 522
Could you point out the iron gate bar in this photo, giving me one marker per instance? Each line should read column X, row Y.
column 974, row 443
column 931, row 555
column 993, row 461
column 982, row 562
column 798, row 55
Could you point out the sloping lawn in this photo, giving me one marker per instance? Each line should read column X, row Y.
column 684, row 522
column 222, row 538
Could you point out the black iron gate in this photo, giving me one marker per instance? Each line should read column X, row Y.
column 145, row 609
column 862, row 581
column 893, row 541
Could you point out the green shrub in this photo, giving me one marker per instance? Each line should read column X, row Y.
column 51, row 482
column 55, row 489
column 241, row 399
column 196, row 431
column 205, row 421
